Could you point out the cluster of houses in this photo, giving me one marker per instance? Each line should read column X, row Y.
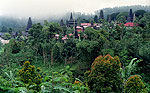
column 81, row 27
column 78, row 27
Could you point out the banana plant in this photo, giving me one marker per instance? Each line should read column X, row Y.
column 10, row 75
column 126, row 72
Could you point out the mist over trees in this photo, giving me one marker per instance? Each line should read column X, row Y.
column 15, row 22
column 108, row 11
column 88, row 54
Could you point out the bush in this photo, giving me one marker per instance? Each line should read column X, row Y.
column 29, row 76
column 108, row 51
column 7, row 36
column 104, row 75
column 135, row 85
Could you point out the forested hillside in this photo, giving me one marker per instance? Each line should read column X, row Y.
column 109, row 11
column 90, row 55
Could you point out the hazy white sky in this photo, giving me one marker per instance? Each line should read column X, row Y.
column 52, row 7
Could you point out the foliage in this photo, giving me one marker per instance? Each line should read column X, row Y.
column 7, row 36
column 145, row 20
column 108, row 51
column 135, row 85
column 4, row 29
column 104, row 75
column 9, row 82
column 121, row 17
column 29, row 76
column 62, row 81
column 16, row 52
column 41, row 47
column 96, row 18
column 87, row 48
column 126, row 71
column 1, row 47
column 139, row 13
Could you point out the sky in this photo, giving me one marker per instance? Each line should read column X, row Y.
column 41, row 8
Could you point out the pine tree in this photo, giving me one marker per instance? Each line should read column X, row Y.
column 109, row 18
column 62, row 22
column 96, row 18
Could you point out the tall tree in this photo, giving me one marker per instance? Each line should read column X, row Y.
column 139, row 12
column 96, row 18
column 4, row 29
column 121, row 17
column 62, row 22
column 35, row 37
column 109, row 18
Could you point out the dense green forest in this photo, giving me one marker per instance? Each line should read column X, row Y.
column 113, row 58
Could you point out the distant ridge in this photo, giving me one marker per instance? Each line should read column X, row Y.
column 108, row 11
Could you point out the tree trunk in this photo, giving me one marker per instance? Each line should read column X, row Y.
column 44, row 57
column 65, row 60
column 121, row 36
column 52, row 59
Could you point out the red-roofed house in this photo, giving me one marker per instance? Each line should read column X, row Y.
column 86, row 24
column 70, row 34
column 79, row 28
column 130, row 24
column 95, row 25
column 65, row 37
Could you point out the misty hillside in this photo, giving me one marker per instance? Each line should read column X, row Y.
column 108, row 11
column 16, row 22
column 75, row 46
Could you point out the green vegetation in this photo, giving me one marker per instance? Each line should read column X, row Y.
column 111, row 58
column 29, row 76
column 104, row 76
column 134, row 84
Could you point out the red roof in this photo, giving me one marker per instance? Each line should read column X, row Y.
column 79, row 27
column 79, row 30
column 70, row 34
column 65, row 37
column 85, row 24
column 130, row 24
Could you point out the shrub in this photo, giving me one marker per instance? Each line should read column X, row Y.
column 29, row 76
column 108, row 51
column 62, row 82
column 135, row 85
column 104, row 75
